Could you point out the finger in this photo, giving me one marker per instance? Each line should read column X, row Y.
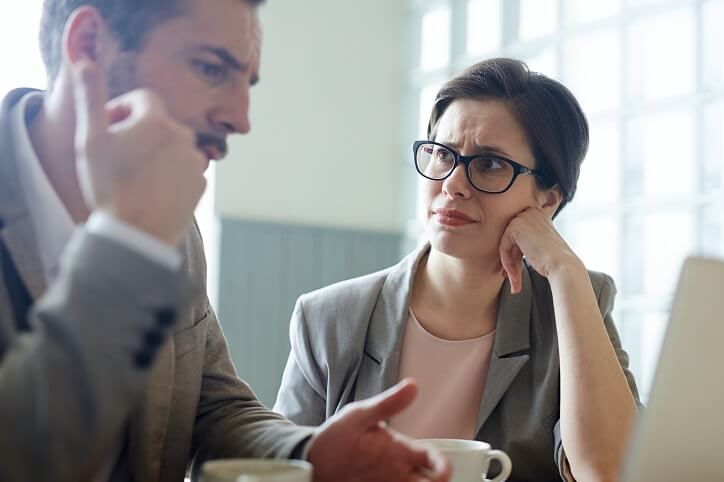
column 438, row 469
column 90, row 100
column 386, row 404
column 517, row 258
column 507, row 259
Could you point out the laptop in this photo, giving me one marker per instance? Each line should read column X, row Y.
column 681, row 432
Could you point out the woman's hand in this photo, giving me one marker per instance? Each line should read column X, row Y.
column 531, row 234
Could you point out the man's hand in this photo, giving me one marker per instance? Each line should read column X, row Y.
column 356, row 446
column 133, row 160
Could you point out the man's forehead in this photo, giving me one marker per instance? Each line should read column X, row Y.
column 231, row 24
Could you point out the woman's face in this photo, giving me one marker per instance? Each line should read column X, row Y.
column 461, row 221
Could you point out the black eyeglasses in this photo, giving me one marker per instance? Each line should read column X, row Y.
column 489, row 173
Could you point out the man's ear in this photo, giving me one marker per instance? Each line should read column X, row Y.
column 550, row 199
column 85, row 36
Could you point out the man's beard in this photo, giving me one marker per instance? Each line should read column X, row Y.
column 122, row 79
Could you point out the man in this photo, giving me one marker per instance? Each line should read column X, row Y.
column 112, row 363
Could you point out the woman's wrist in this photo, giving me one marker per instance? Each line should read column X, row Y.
column 568, row 268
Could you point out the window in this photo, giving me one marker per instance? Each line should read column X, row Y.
column 22, row 67
column 650, row 77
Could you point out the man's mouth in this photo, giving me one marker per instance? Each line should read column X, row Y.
column 215, row 148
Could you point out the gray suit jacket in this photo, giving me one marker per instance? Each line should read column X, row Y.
column 117, row 349
column 346, row 341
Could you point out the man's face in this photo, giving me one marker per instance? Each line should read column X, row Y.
column 202, row 64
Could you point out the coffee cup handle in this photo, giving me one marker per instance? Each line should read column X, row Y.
column 505, row 462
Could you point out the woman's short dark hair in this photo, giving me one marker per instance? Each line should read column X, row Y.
column 129, row 20
column 552, row 119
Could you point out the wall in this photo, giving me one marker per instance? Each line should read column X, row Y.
column 312, row 195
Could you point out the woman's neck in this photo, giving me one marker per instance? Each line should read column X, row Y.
column 456, row 299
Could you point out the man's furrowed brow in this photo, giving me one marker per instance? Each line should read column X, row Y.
column 225, row 56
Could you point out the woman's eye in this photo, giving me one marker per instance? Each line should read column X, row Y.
column 442, row 155
column 492, row 164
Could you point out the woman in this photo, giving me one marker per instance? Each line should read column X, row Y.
column 509, row 336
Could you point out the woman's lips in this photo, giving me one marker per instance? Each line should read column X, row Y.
column 452, row 217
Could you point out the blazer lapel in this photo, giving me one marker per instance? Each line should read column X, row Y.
column 18, row 234
column 381, row 358
column 512, row 342
column 149, row 423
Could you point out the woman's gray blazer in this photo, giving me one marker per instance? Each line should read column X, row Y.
column 345, row 346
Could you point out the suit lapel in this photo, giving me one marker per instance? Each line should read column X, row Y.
column 380, row 365
column 512, row 342
column 18, row 234
column 149, row 422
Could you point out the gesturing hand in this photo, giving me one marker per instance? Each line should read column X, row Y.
column 356, row 446
column 133, row 160
column 531, row 234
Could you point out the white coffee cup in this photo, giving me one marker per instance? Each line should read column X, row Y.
column 256, row 470
column 470, row 459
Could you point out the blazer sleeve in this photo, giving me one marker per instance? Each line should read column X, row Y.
column 301, row 395
column 67, row 387
column 230, row 420
column 605, row 295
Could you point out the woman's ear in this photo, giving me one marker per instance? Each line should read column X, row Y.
column 84, row 36
column 549, row 200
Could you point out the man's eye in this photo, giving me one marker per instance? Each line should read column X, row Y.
column 211, row 71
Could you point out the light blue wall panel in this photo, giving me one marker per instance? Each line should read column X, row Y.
column 265, row 267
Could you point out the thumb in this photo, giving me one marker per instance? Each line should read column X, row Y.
column 388, row 403
column 90, row 100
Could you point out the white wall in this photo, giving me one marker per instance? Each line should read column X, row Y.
column 324, row 146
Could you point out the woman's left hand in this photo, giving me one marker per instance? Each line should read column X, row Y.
column 531, row 234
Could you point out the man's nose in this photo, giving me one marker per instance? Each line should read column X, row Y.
column 232, row 114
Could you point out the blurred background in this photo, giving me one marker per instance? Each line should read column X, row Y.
column 324, row 188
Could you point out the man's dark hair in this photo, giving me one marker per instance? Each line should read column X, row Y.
column 551, row 118
column 129, row 20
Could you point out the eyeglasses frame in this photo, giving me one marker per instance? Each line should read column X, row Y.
column 518, row 168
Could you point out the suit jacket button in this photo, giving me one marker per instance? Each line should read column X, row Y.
column 166, row 317
column 153, row 338
column 143, row 359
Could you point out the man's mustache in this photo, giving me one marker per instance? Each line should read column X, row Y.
column 209, row 140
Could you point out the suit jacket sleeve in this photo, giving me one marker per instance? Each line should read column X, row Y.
column 605, row 296
column 67, row 387
column 230, row 421
column 302, row 393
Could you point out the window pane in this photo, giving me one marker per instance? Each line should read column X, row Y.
column 661, row 55
column 600, row 179
column 592, row 70
column 544, row 62
column 427, row 99
column 485, row 22
column 713, row 139
column 537, row 18
column 582, row 11
column 660, row 157
column 710, row 229
column 639, row 3
column 713, row 42
column 595, row 241
column 435, row 38
column 667, row 240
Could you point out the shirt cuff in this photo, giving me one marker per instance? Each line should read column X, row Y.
column 107, row 226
